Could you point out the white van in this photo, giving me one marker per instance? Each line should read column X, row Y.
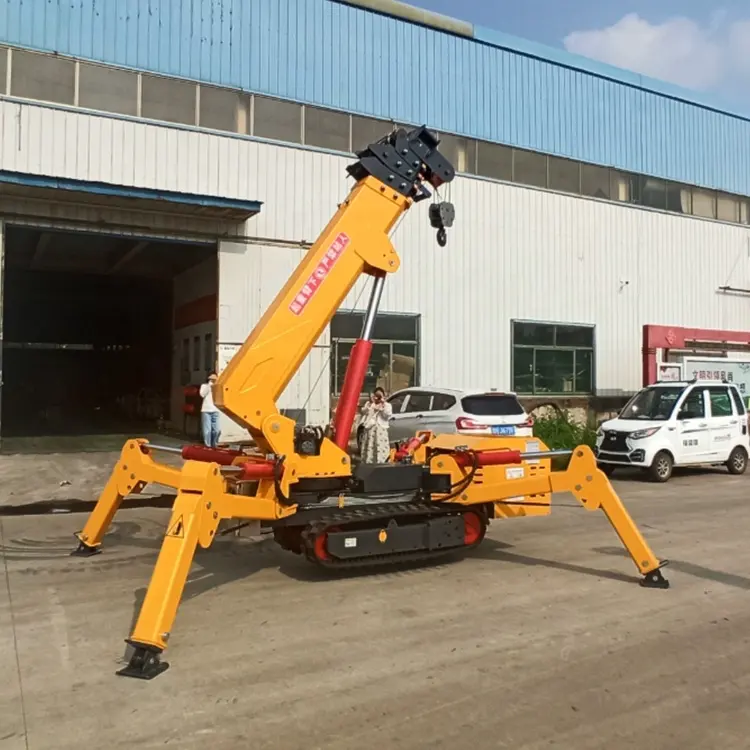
column 688, row 423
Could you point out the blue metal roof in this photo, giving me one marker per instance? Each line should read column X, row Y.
column 490, row 86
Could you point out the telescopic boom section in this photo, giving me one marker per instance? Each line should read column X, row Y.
column 390, row 175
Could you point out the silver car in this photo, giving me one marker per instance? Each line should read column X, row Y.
column 464, row 412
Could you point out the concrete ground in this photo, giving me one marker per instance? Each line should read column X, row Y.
column 541, row 638
column 58, row 471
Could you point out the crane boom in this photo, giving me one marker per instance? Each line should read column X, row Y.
column 390, row 177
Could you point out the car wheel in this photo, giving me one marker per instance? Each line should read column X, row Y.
column 737, row 463
column 661, row 467
column 607, row 469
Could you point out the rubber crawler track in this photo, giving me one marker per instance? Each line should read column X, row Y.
column 367, row 516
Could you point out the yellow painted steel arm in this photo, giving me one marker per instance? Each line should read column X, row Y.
column 135, row 469
column 582, row 478
column 354, row 242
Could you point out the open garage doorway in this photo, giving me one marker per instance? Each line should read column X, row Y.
column 90, row 346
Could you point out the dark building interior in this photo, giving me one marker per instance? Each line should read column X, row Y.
column 87, row 331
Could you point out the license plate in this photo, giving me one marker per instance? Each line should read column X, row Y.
column 503, row 430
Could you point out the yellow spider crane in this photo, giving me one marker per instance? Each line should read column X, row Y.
column 436, row 495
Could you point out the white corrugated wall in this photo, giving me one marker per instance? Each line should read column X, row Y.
column 513, row 253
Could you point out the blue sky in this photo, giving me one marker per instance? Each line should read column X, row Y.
column 698, row 44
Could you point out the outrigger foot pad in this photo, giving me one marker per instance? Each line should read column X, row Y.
column 655, row 580
column 84, row 550
column 144, row 664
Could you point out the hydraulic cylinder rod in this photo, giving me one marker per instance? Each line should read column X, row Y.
column 221, row 456
column 500, row 457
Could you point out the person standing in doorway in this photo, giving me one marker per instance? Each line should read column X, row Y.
column 209, row 413
column 377, row 413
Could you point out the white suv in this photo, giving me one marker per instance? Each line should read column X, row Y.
column 444, row 410
column 677, row 424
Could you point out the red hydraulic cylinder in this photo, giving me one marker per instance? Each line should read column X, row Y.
column 219, row 456
column 260, row 470
column 350, row 392
column 489, row 458
column 410, row 446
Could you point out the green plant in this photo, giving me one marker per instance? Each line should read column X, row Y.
column 559, row 431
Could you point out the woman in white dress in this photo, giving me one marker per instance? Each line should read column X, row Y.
column 375, row 444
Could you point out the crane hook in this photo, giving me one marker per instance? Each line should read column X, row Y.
column 441, row 216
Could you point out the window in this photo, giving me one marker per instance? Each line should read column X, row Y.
column 551, row 358
column 737, row 399
column 223, row 109
column 168, row 99
column 365, row 131
column 418, row 402
column 277, row 120
column 704, row 203
column 208, row 353
column 107, row 89
column 727, row 208
column 654, row 403
column 495, row 161
column 529, row 168
column 492, row 405
column 48, row 78
column 694, row 406
column 443, row 402
column 595, row 181
column 620, row 186
column 185, row 362
column 651, row 193
column 326, row 129
column 196, row 353
column 394, row 362
column 460, row 152
column 564, row 175
column 721, row 402
column 679, row 198
column 397, row 402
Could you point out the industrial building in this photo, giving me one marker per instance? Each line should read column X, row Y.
column 164, row 166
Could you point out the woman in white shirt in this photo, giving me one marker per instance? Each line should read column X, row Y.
column 375, row 443
column 209, row 413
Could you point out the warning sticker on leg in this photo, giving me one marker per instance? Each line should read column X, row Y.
column 177, row 529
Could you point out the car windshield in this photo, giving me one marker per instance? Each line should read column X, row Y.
column 652, row 403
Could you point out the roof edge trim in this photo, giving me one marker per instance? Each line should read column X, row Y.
column 406, row 12
column 127, row 191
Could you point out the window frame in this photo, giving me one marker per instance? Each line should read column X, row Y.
column 739, row 404
column 712, row 390
column 429, row 395
column 335, row 341
column 552, row 347
column 686, row 396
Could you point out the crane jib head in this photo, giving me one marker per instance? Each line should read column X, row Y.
column 408, row 161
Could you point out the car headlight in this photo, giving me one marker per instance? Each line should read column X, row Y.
column 640, row 434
